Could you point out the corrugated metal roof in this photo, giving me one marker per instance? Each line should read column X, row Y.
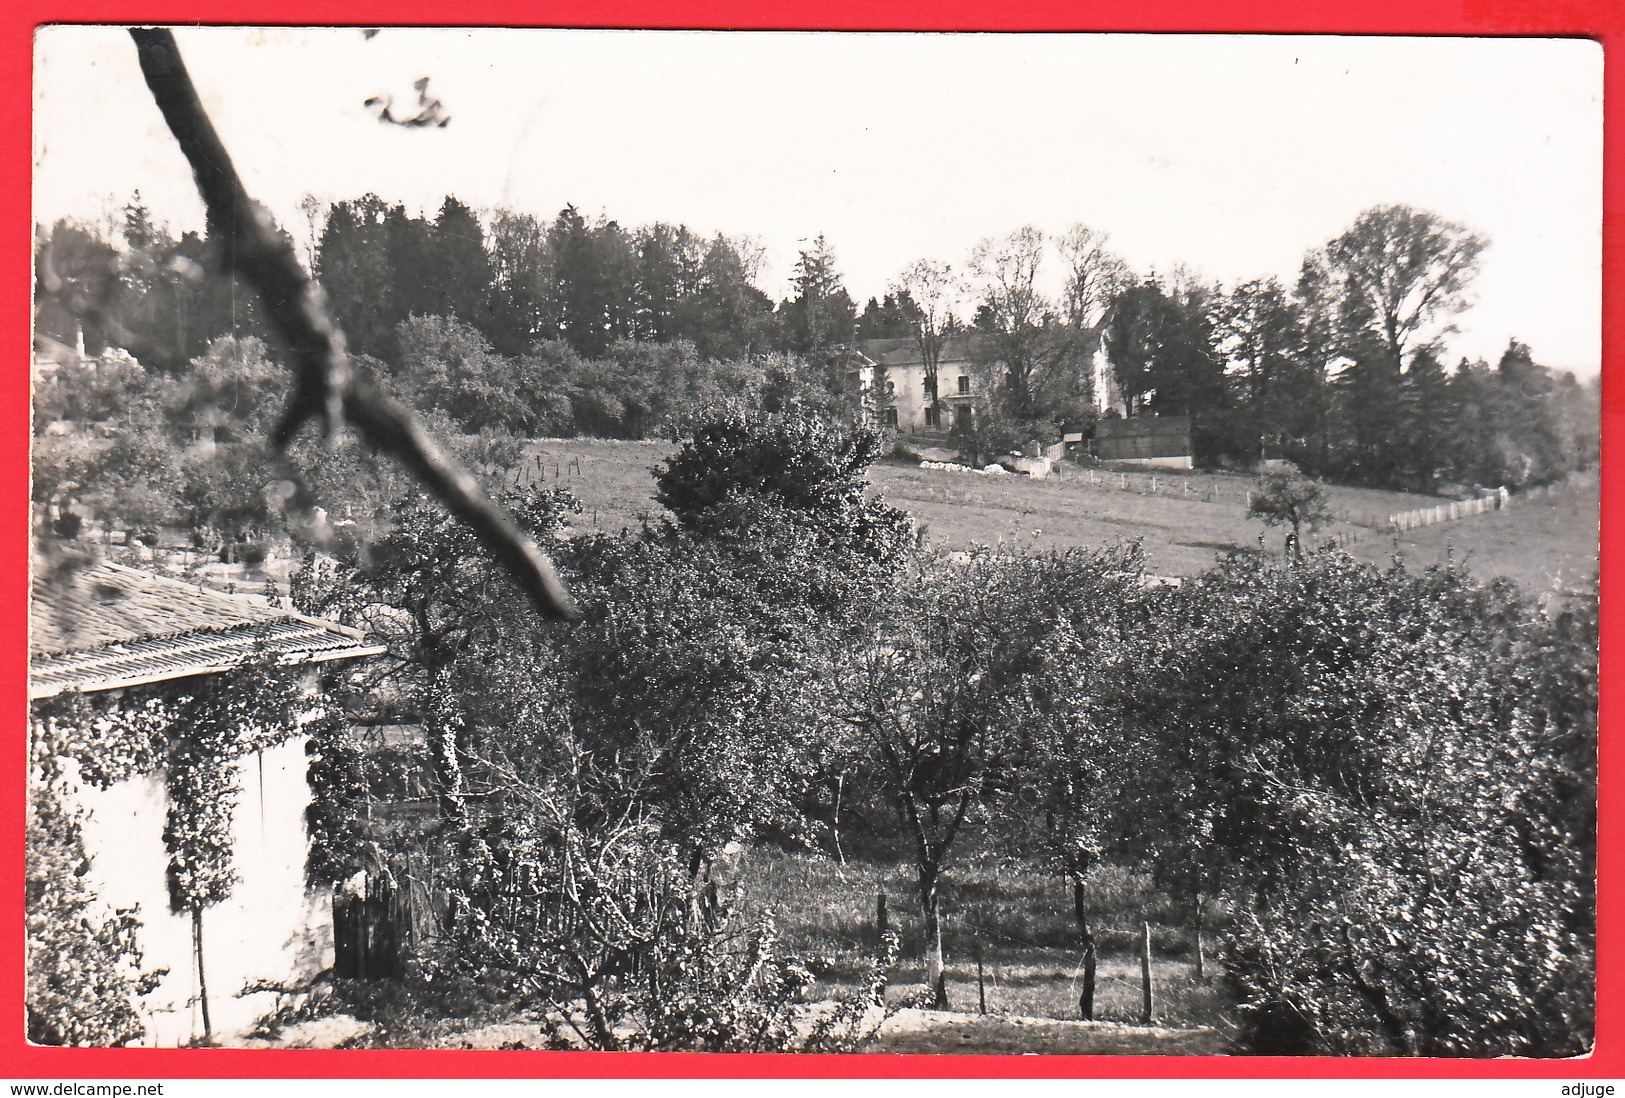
column 96, row 625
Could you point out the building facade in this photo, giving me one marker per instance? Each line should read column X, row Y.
column 890, row 373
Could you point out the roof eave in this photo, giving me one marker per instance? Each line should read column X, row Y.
column 38, row 692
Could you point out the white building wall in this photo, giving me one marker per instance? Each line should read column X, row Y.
column 908, row 395
column 269, row 930
column 1107, row 396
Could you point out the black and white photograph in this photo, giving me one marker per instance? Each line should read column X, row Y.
column 814, row 542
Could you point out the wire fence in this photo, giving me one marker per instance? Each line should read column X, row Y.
column 1366, row 524
column 994, row 972
column 1238, row 492
column 1162, row 484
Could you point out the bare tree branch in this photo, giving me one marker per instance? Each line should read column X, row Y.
column 326, row 386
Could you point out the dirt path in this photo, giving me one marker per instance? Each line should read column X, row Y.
column 937, row 1031
column 929, row 1032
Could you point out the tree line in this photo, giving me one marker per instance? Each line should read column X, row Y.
column 586, row 326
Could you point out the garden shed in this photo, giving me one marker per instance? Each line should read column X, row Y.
column 166, row 727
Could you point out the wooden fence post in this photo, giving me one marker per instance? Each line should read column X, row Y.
column 939, row 992
column 880, row 919
column 1145, row 973
column 981, row 984
column 1201, row 910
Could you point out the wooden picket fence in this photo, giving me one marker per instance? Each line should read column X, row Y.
column 367, row 931
column 1447, row 512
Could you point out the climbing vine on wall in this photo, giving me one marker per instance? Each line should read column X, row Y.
column 339, row 838
column 109, row 737
column 195, row 730
column 217, row 720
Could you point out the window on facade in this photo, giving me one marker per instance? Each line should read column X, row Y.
column 890, row 417
column 891, row 388
column 933, row 418
column 964, row 384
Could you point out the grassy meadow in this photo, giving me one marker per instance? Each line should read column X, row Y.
column 1185, row 521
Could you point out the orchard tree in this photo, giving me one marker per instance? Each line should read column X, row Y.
column 1081, row 620
column 1358, row 763
column 1285, row 497
column 947, row 694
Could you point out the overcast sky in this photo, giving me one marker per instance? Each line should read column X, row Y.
column 1231, row 155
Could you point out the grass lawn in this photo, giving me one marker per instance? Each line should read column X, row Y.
column 1021, row 920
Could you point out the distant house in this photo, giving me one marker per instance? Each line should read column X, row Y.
column 114, row 632
column 898, row 365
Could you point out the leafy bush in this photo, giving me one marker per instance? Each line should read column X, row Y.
column 802, row 463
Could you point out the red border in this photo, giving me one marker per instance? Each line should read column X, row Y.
column 1603, row 20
